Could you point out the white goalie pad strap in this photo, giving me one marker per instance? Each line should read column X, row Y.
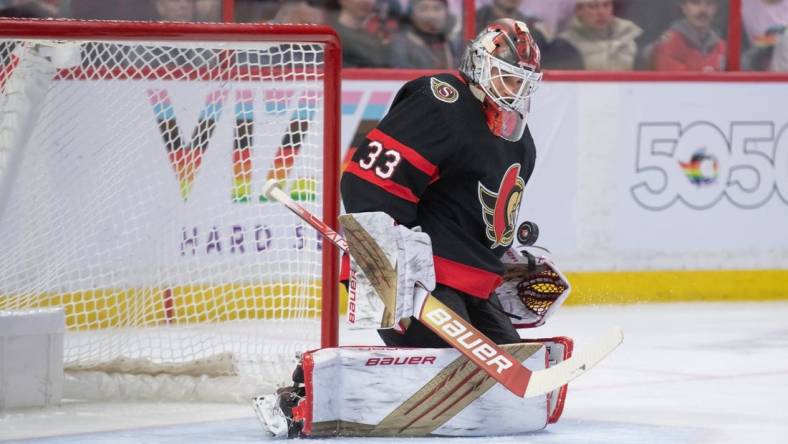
column 533, row 288
column 399, row 261
column 379, row 391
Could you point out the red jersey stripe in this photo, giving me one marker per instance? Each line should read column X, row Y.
column 465, row 278
column 411, row 155
column 389, row 186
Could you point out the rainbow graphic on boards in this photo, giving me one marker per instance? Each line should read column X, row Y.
column 186, row 158
column 702, row 169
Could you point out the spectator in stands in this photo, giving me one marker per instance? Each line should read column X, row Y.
column 424, row 42
column 174, row 10
column 691, row 44
column 606, row 42
column 780, row 59
column 764, row 23
column 761, row 17
column 499, row 9
column 554, row 15
column 114, row 10
column 255, row 10
column 653, row 17
column 360, row 48
column 557, row 53
column 300, row 11
column 208, row 10
column 386, row 18
column 27, row 9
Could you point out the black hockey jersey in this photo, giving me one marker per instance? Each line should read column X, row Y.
column 433, row 162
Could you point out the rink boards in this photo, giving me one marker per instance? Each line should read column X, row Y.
column 644, row 191
column 179, row 305
column 649, row 190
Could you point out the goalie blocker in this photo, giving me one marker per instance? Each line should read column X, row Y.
column 383, row 391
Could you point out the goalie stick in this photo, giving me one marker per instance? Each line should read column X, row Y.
column 461, row 335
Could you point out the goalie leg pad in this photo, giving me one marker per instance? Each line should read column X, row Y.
column 558, row 350
column 380, row 391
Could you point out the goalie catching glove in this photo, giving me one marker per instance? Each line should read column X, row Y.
column 391, row 270
column 533, row 288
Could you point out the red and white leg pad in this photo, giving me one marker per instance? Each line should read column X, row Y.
column 558, row 349
column 381, row 391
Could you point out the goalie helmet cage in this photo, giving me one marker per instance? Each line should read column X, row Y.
column 131, row 161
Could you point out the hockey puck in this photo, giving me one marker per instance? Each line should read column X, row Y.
column 527, row 233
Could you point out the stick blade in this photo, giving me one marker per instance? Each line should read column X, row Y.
column 545, row 381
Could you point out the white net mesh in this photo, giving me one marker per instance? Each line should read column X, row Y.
column 129, row 195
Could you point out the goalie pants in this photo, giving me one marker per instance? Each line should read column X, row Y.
column 484, row 314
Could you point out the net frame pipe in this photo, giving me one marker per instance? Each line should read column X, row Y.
column 243, row 32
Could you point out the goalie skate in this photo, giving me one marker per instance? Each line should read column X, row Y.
column 275, row 412
column 270, row 415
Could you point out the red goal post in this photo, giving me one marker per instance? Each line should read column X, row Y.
column 132, row 63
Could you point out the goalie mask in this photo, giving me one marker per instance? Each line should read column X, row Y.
column 503, row 64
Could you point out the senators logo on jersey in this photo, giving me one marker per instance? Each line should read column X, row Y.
column 499, row 209
column 443, row 91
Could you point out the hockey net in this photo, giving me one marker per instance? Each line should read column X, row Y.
column 131, row 161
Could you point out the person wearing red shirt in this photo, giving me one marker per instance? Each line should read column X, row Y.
column 691, row 44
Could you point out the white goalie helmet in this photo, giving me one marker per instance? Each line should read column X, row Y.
column 504, row 62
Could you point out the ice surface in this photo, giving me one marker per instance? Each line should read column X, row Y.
column 686, row 373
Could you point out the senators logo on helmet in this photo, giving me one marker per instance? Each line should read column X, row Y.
column 499, row 209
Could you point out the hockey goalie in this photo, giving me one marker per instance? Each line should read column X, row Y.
column 432, row 198
column 399, row 390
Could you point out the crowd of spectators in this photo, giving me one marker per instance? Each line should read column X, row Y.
column 620, row 35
